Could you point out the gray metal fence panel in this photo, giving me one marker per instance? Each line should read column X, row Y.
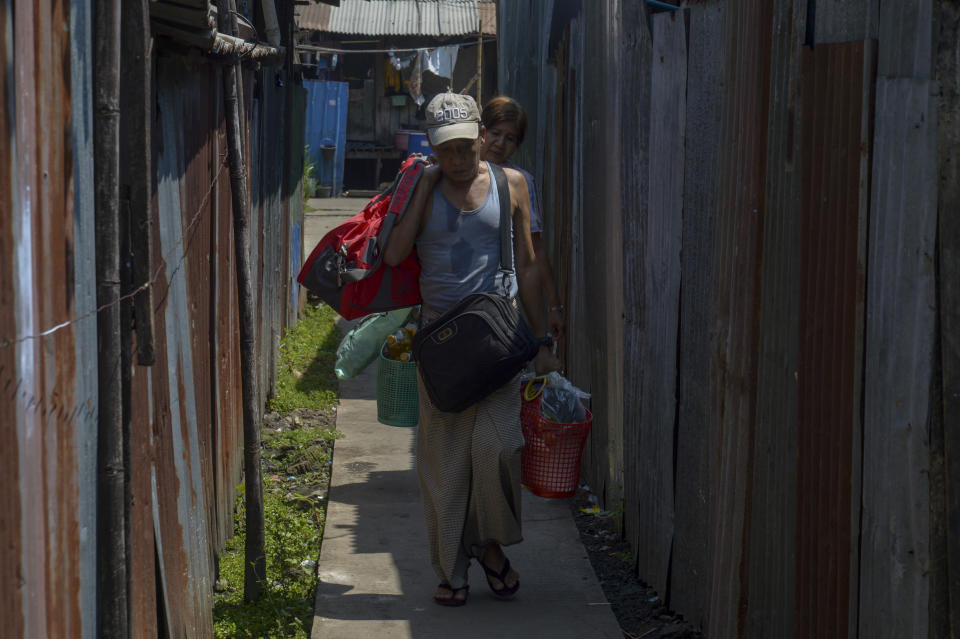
column 85, row 300
column 705, row 55
column 789, row 310
column 901, row 302
column 651, row 416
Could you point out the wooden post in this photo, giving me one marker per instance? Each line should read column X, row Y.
column 254, row 554
column 136, row 102
column 111, row 471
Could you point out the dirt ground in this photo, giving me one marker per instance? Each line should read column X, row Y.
column 637, row 607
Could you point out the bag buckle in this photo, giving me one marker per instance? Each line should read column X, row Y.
column 341, row 265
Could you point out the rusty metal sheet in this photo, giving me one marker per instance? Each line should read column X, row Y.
column 85, row 302
column 57, row 351
column 142, row 549
column 705, row 54
column 837, row 91
column 195, row 386
column 228, row 384
column 901, row 302
column 740, row 214
column 227, row 424
column 137, row 337
column 198, row 221
column 11, row 594
column 142, row 552
column 273, row 225
column 31, row 564
column 184, row 413
column 258, row 248
column 296, row 256
column 314, row 17
column 487, row 15
column 38, row 356
column 773, row 514
column 182, row 525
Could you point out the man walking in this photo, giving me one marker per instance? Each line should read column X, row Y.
column 469, row 462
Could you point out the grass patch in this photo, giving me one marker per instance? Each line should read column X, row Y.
column 285, row 607
column 297, row 445
column 305, row 377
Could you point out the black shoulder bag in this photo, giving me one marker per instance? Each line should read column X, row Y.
column 483, row 341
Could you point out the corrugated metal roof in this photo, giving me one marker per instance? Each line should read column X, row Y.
column 400, row 17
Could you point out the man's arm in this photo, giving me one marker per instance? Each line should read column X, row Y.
column 405, row 233
column 528, row 274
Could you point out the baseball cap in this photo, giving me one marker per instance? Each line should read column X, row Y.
column 451, row 116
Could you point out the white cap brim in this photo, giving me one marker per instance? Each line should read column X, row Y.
column 460, row 130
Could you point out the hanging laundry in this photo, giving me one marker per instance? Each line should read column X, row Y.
column 416, row 81
column 401, row 62
column 441, row 61
column 392, row 79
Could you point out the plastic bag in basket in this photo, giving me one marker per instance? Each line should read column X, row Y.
column 561, row 401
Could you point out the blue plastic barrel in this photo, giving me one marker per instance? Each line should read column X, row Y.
column 417, row 143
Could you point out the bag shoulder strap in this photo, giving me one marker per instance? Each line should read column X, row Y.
column 400, row 194
column 506, row 234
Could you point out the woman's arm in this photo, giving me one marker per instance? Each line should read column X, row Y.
column 528, row 274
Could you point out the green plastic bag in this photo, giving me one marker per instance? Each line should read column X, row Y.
column 362, row 343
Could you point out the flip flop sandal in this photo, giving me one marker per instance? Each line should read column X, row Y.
column 452, row 601
column 503, row 592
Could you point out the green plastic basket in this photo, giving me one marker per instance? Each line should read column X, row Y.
column 397, row 400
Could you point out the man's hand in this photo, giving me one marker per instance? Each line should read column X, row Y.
column 429, row 159
column 545, row 361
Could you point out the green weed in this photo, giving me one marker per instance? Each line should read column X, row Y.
column 296, row 473
column 305, row 377
column 285, row 607
column 309, row 175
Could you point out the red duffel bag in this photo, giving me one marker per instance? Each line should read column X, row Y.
column 346, row 268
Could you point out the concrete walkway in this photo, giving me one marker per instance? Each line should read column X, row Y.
column 375, row 574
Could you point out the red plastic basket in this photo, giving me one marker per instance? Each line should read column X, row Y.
column 550, row 462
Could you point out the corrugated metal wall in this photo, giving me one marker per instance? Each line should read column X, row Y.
column 742, row 208
column 48, row 400
column 184, row 411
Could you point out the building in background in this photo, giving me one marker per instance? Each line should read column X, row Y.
column 392, row 56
